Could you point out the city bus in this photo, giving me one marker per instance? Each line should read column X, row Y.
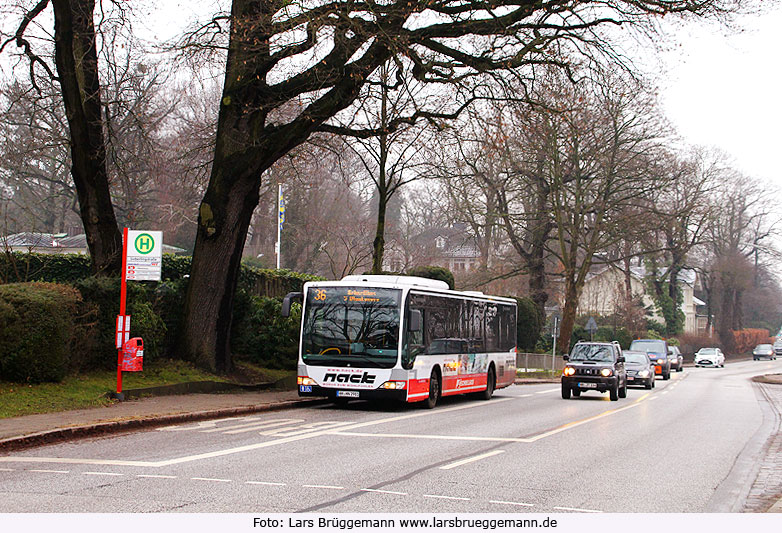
column 402, row 338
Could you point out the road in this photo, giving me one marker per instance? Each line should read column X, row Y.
column 526, row 450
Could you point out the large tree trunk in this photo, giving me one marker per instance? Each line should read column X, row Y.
column 568, row 315
column 77, row 67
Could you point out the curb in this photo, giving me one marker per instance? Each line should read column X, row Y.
column 119, row 426
column 770, row 379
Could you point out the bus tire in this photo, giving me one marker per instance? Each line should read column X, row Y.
column 434, row 390
column 491, row 382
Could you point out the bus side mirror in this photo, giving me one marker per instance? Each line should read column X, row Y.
column 286, row 302
column 415, row 320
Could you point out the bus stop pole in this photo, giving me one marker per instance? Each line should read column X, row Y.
column 122, row 297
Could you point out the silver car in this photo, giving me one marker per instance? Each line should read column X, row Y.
column 763, row 351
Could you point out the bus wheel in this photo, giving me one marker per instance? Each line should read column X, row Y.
column 434, row 390
column 491, row 381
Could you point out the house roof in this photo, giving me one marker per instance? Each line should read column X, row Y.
column 60, row 240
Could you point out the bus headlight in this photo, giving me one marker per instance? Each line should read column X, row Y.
column 304, row 380
column 394, row 385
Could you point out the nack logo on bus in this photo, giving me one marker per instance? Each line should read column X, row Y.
column 366, row 377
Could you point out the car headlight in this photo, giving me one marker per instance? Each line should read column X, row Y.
column 569, row 371
column 644, row 373
column 606, row 372
column 661, row 361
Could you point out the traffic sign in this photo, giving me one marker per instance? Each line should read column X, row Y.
column 591, row 326
column 145, row 255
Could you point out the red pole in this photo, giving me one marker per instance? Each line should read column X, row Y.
column 122, row 296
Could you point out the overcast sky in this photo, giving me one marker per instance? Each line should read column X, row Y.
column 724, row 90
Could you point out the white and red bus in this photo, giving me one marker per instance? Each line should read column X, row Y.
column 404, row 338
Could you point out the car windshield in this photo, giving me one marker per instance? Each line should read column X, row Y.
column 638, row 358
column 707, row 351
column 593, row 352
column 763, row 347
column 649, row 346
column 351, row 326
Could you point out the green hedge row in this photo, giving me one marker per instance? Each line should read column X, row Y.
column 41, row 325
column 18, row 267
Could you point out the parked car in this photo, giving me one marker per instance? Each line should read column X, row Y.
column 709, row 357
column 639, row 368
column 763, row 351
column 658, row 352
column 677, row 359
column 595, row 366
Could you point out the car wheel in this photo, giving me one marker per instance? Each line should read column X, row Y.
column 614, row 392
column 490, row 383
column 434, row 390
column 667, row 375
column 649, row 384
column 623, row 391
column 565, row 392
column 576, row 393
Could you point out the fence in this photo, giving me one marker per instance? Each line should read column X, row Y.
column 531, row 362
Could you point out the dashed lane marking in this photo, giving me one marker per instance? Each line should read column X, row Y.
column 102, row 474
column 576, row 509
column 433, row 437
column 323, row 487
column 525, row 396
column 42, row 471
column 384, row 491
column 6, row 469
column 441, row 497
column 156, row 476
column 270, row 483
column 211, row 479
column 500, row 502
column 471, row 459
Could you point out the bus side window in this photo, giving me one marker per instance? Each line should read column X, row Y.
column 414, row 345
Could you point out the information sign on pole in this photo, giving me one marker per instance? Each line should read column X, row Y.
column 145, row 255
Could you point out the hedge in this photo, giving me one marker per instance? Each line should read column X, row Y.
column 746, row 339
column 40, row 325
column 17, row 267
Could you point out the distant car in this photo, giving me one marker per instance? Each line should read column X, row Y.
column 677, row 359
column 597, row 366
column 778, row 347
column 658, row 352
column 709, row 357
column 639, row 368
column 763, row 351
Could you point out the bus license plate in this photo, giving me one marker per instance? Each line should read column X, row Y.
column 305, row 388
column 347, row 393
column 587, row 385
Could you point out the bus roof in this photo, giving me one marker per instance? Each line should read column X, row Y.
column 407, row 282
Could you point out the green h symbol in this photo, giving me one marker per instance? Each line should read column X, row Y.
column 144, row 243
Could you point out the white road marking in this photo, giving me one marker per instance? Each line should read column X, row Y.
column 384, row 491
column 156, row 476
column 546, row 391
column 265, row 483
column 653, row 398
column 445, row 497
column 210, row 479
column 471, row 459
column 577, row 510
column 579, row 423
column 50, row 471
column 6, row 469
column 323, row 487
column 260, row 425
column 512, row 503
column 305, row 428
column 201, row 425
column 525, row 395
column 435, row 437
column 102, row 474
column 63, row 460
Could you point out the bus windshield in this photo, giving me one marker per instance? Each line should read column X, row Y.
column 351, row 326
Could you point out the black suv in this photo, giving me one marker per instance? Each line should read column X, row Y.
column 598, row 366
